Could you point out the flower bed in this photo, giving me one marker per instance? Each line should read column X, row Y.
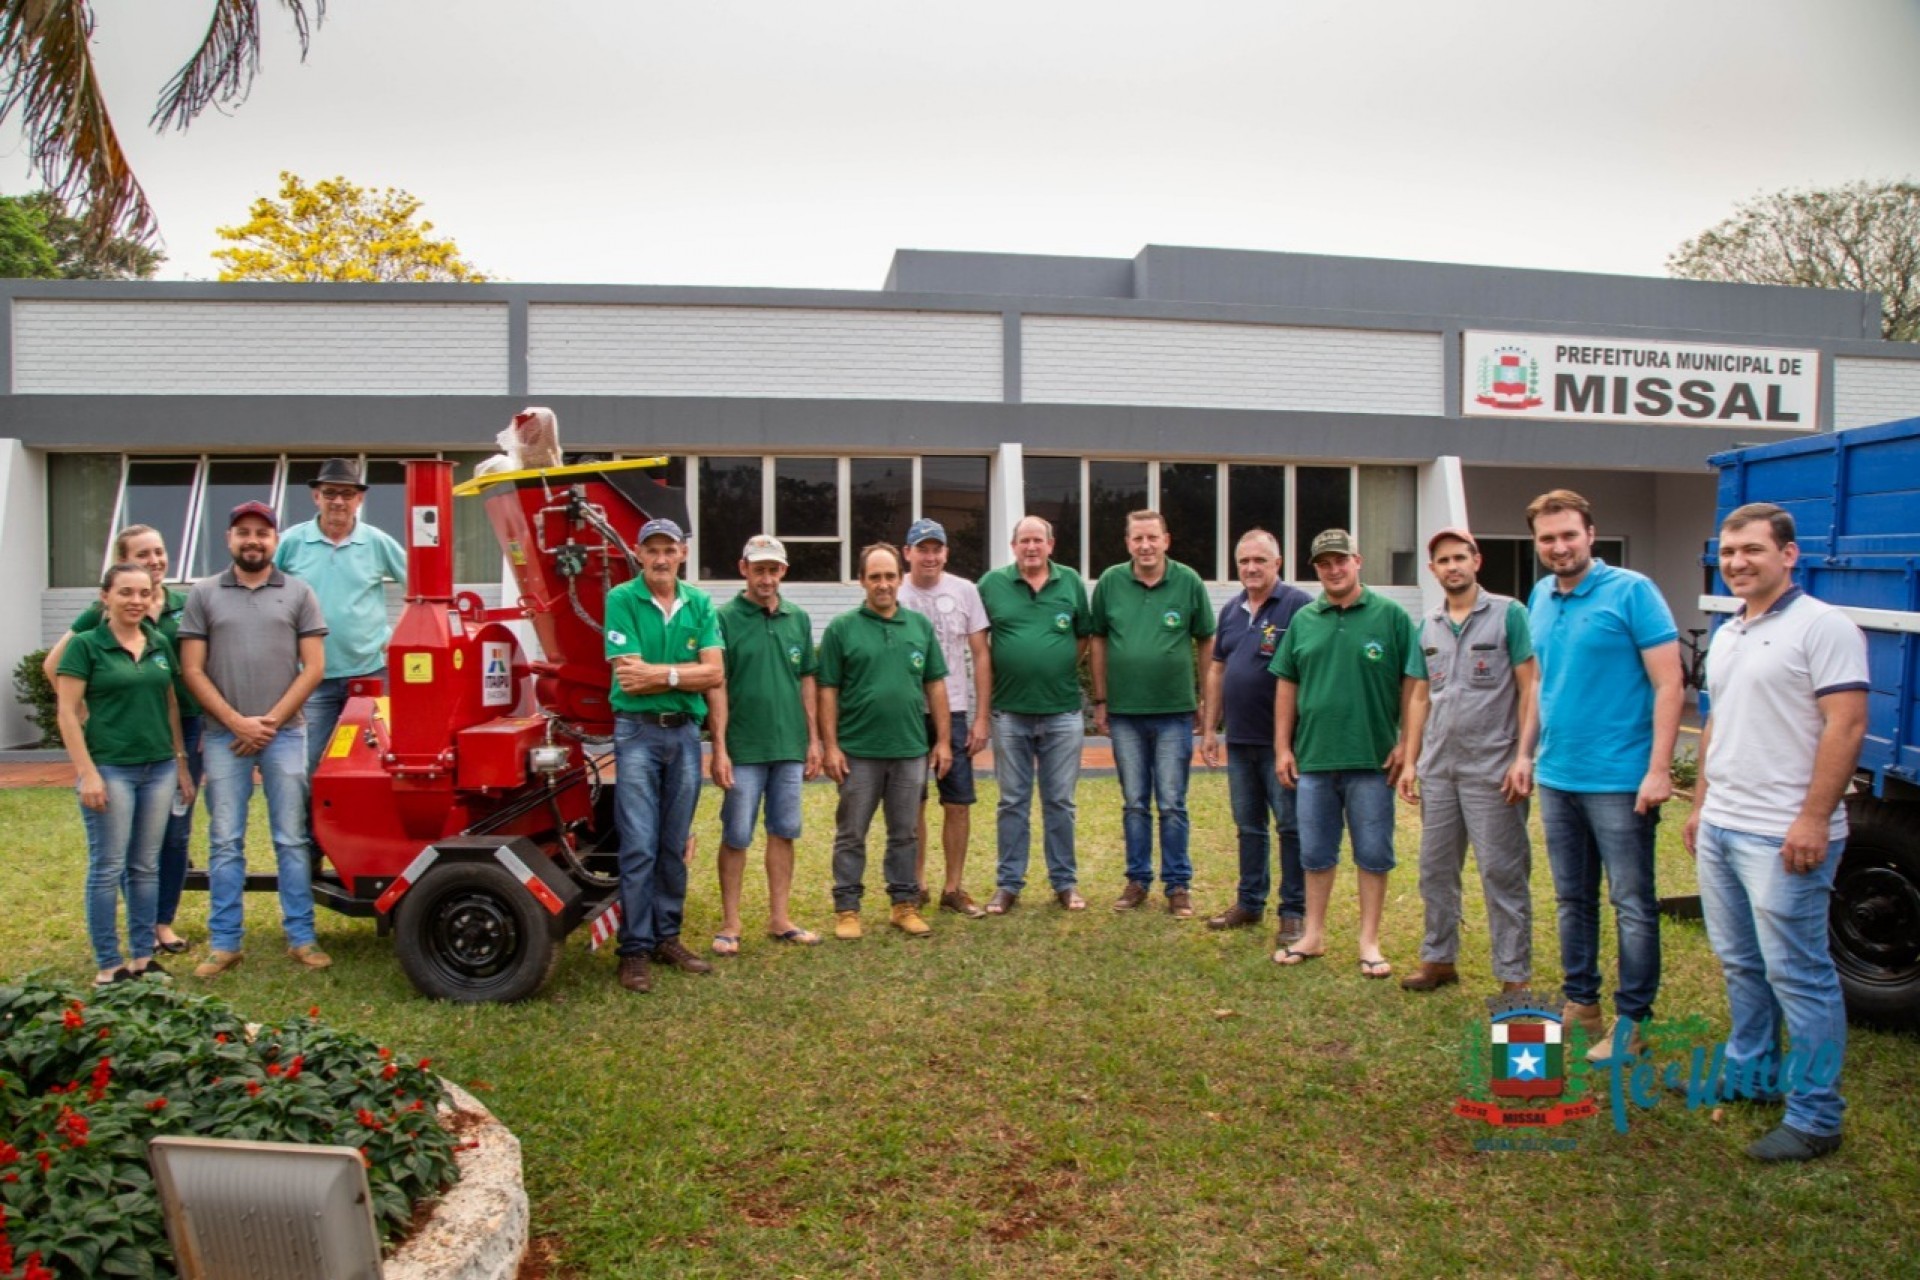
column 88, row 1078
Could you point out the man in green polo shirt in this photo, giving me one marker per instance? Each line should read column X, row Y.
column 1347, row 669
column 664, row 644
column 881, row 676
column 1038, row 621
column 765, row 740
column 1148, row 614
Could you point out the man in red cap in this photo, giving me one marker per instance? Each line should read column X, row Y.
column 1465, row 727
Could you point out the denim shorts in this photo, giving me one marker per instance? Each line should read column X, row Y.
column 1356, row 800
column 957, row 786
column 779, row 784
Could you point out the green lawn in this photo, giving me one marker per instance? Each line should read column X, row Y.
column 1046, row 1095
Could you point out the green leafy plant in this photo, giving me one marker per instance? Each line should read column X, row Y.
column 1686, row 769
column 32, row 689
column 87, row 1083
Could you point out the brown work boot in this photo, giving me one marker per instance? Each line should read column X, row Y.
column 310, row 956
column 634, row 975
column 1587, row 1018
column 1179, row 904
column 217, row 963
column 906, row 918
column 1632, row 1045
column 1292, row 929
column 1431, row 976
column 1130, row 897
column 1234, row 917
column 674, row 952
column 846, row 925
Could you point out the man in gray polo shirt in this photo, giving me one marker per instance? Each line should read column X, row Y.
column 1465, row 725
column 1787, row 683
column 252, row 647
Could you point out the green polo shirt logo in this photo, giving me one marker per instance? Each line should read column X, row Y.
column 1170, row 619
column 692, row 645
column 616, row 637
column 1375, row 651
column 1062, row 621
column 793, row 656
column 917, row 660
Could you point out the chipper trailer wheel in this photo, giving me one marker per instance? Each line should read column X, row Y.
column 470, row 932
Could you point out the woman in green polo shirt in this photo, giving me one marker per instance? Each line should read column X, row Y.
column 142, row 545
column 131, row 764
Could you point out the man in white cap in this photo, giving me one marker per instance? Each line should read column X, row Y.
column 766, row 737
column 346, row 561
column 952, row 604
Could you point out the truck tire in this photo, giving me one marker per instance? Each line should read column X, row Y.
column 1873, row 926
column 470, row 932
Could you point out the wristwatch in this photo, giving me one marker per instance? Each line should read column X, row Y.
column 673, row 677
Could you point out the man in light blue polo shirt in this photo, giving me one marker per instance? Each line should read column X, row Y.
column 346, row 561
column 1610, row 696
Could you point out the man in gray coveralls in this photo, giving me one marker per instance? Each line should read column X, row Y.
column 1465, row 728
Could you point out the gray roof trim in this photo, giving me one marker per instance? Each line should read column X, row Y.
column 741, row 425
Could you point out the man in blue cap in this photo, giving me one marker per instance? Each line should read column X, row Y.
column 663, row 641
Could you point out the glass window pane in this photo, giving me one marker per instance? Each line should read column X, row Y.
column 158, row 494
column 1323, row 499
column 811, row 562
column 1388, row 541
column 228, row 484
column 806, row 498
column 953, row 490
column 385, row 506
column 81, row 491
column 1257, row 499
column 476, row 552
column 729, row 515
column 1114, row 489
column 1190, row 500
column 1053, row 494
column 881, row 503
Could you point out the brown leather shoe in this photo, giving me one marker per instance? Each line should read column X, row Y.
column 1508, row 988
column 1234, row 917
column 961, row 903
column 1292, row 929
column 925, row 896
column 1180, row 904
column 674, row 952
column 1002, row 901
column 1130, row 897
column 1431, row 976
column 634, row 975
column 1070, row 900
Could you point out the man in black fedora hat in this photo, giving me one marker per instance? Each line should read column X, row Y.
column 346, row 560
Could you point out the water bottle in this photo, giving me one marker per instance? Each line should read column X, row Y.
column 181, row 806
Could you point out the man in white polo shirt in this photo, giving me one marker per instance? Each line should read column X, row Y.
column 1787, row 684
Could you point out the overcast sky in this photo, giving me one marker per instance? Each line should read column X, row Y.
column 799, row 143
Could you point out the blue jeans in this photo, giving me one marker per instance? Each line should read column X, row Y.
column 1591, row 832
column 1257, row 796
column 1153, row 755
column 655, row 792
column 894, row 787
column 778, row 783
column 1047, row 747
column 1769, row 928
column 283, row 775
column 1357, row 801
column 322, row 712
column 173, row 849
column 123, row 844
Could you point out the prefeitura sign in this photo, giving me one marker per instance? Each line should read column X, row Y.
column 1532, row 375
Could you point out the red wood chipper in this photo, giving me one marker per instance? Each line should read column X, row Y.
column 458, row 801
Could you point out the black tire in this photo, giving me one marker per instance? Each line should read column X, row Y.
column 470, row 932
column 1873, row 926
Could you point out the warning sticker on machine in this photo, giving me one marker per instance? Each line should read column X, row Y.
column 342, row 742
column 418, row 668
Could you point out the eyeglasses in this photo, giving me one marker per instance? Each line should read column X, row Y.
column 339, row 495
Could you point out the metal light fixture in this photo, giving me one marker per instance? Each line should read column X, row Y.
column 266, row 1210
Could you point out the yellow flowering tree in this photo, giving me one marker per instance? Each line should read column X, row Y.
column 338, row 231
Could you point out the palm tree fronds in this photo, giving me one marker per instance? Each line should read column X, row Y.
column 222, row 68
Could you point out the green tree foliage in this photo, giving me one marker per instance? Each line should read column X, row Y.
column 41, row 240
column 48, row 80
column 1864, row 235
column 337, row 231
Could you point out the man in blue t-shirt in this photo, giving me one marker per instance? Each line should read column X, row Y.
column 1610, row 696
column 1237, row 681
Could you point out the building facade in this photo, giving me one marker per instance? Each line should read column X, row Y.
column 1228, row 389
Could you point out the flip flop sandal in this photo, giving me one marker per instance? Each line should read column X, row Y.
column 1376, row 969
column 725, row 944
column 798, row 937
column 1287, row 957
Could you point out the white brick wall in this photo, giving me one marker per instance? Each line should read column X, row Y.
column 231, row 348
column 59, row 606
column 1870, row 391
column 763, row 351
column 1099, row 360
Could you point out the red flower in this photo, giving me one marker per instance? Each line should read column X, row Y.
column 71, row 1019
column 425, row 1063
column 73, row 1126
column 386, row 1054
column 34, row 1270
column 273, row 1068
column 313, row 1011
column 416, row 1104
column 157, row 1104
column 105, row 1032
column 8, row 1154
column 365, row 1158
column 293, row 1068
column 45, row 1159
column 253, row 1088
column 220, row 1037
column 368, row 1120
column 389, row 1071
